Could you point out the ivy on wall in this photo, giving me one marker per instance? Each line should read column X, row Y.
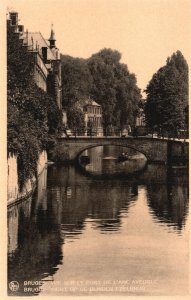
column 33, row 118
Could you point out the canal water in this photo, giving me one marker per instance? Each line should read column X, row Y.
column 110, row 160
column 85, row 235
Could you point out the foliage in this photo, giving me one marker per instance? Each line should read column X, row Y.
column 76, row 80
column 75, row 118
column 114, row 88
column 167, row 96
column 33, row 116
column 105, row 80
column 60, row 155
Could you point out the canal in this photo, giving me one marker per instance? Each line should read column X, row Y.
column 84, row 234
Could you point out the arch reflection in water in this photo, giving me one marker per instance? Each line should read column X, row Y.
column 89, row 199
column 112, row 160
column 70, row 227
column 119, row 208
column 103, row 201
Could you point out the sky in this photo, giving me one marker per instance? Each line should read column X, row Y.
column 145, row 32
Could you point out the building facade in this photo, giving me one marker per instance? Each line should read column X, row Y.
column 140, row 119
column 46, row 58
column 46, row 72
column 93, row 118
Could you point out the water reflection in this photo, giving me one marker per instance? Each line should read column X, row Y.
column 35, row 243
column 83, row 200
column 111, row 160
column 169, row 203
column 13, row 223
column 71, row 212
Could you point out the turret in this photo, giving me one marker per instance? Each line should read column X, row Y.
column 52, row 39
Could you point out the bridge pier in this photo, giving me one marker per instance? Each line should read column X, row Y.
column 178, row 152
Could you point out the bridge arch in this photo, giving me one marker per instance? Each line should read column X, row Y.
column 154, row 149
column 109, row 144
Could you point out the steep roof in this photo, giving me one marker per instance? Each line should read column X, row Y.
column 37, row 39
column 91, row 102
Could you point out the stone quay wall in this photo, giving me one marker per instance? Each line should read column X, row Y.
column 13, row 193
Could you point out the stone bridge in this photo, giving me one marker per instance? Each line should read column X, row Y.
column 155, row 149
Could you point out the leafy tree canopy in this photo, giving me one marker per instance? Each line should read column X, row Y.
column 167, row 95
column 105, row 80
column 75, row 118
column 76, row 80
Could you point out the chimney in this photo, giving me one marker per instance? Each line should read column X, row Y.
column 21, row 28
column 44, row 54
column 14, row 18
column 27, row 37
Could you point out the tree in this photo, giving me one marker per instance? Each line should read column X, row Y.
column 76, row 120
column 76, row 80
column 167, row 96
column 105, row 80
column 114, row 88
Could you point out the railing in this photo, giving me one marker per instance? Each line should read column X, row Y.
column 119, row 132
